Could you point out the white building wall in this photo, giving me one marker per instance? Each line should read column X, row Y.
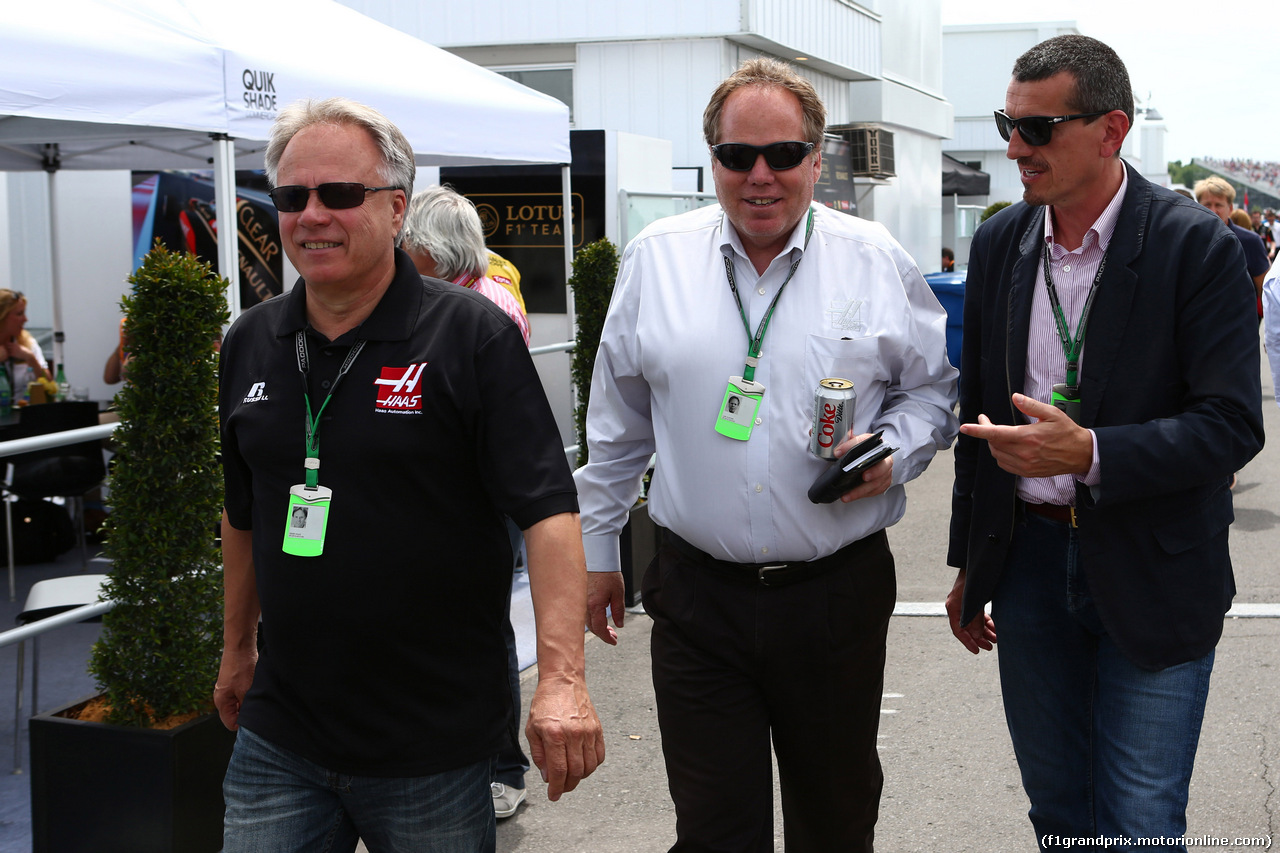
column 661, row 89
column 978, row 61
column 93, row 276
column 95, row 258
column 833, row 33
column 6, row 261
column 909, row 102
column 977, row 65
column 656, row 88
column 505, row 22
column 840, row 34
column 1155, row 167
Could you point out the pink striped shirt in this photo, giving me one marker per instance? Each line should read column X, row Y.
column 1073, row 274
column 500, row 296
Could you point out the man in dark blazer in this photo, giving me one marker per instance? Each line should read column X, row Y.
column 1109, row 388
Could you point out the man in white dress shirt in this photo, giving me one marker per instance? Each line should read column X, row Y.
column 770, row 612
column 1271, row 322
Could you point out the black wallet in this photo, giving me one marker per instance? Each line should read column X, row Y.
column 846, row 472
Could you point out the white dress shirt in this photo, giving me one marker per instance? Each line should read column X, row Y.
column 857, row 308
column 1271, row 322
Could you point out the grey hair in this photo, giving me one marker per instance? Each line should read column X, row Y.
column 397, row 168
column 1101, row 80
column 445, row 224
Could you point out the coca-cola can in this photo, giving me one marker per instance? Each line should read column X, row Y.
column 833, row 407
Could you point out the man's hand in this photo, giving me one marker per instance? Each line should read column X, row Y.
column 605, row 590
column 1052, row 445
column 980, row 633
column 566, row 741
column 234, row 677
column 875, row 481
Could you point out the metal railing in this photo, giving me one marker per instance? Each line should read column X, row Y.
column 56, row 439
column 67, row 617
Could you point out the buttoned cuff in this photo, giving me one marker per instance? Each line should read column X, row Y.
column 602, row 552
column 1094, row 477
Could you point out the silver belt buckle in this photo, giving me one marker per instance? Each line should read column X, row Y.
column 763, row 572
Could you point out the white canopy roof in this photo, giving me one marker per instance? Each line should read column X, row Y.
column 143, row 84
column 140, row 84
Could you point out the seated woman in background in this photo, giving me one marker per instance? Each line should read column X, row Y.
column 18, row 349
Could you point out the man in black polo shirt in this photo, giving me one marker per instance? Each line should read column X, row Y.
column 375, row 697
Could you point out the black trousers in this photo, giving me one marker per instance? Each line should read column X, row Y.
column 735, row 665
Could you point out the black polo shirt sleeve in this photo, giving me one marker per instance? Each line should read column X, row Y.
column 522, row 461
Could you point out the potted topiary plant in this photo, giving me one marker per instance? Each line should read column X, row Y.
column 146, row 774
column 595, row 268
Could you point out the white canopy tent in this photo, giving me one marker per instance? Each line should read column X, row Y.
column 196, row 84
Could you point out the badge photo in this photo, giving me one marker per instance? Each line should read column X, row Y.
column 306, row 521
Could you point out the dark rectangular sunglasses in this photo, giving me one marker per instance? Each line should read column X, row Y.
column 780, row 156
column 337, row 195
column 1035, row 130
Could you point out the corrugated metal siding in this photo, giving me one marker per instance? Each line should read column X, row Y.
column 824, row 29
column 652, row 88
column 834, row 91
column 830, row 30
column 482, row 22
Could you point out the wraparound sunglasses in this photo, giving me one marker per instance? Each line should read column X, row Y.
column 780, row 156
column 337, row 195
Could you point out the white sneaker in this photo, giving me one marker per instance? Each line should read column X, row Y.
column 505, row 800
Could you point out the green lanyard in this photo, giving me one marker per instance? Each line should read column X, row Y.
column 313, row 423
column 1071, row 347
column 756, row 341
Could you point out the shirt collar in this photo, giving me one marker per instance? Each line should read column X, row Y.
column 1105, row 225
column 730, row 242
column 392, row 318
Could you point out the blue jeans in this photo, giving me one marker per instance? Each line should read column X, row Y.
column 1105, row 747
column 279, row 802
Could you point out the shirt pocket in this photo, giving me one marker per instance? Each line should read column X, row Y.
column 857, row 360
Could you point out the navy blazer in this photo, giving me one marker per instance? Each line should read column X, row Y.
column 1170, row 385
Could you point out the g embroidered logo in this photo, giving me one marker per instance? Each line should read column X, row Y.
column 400, row 389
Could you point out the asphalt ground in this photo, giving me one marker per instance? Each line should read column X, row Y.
column 951, row 781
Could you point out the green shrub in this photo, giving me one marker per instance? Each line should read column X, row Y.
column 992, row 209
column 160, row 647
column 594, row 270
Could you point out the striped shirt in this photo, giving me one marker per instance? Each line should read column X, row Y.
column 500, row 296
column 1073, row 273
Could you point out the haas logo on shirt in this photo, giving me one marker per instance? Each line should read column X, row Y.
column 400, row 389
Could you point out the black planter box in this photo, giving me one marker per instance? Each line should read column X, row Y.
column 98, row 788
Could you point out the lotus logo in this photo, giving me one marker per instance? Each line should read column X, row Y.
column 488, row 219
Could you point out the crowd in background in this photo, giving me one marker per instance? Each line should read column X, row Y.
column 1266, row 173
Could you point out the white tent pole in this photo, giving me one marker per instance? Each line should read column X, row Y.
column 224, row 199
column 55, row 265
column 571, row 315
column 566, row 199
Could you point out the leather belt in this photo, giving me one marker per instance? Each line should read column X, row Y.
column 1054, row 512
column 780, row 573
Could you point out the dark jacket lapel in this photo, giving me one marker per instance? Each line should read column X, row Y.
column 1113, row 303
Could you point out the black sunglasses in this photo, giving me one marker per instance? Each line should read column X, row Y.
column 338, row 195
column 1035, row 130
column 780, row 156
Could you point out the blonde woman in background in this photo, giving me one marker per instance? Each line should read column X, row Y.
column 19, row 351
